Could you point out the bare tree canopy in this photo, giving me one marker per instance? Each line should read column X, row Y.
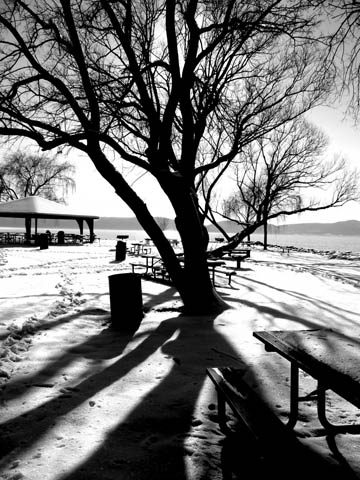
column 25, row 174
column 176, row 88
column 341, row 34
column 287, row 173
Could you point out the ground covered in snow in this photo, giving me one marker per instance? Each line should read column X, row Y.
column 80, row 400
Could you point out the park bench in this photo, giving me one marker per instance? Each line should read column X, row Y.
column 227, row 272
column 135, row 265
column 160, row 271
column 154, row 271
column 281, row 454
column 239, row 255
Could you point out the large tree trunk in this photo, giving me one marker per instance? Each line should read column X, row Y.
column 194, row 283
column 193, row 280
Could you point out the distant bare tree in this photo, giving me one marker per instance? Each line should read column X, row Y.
column 25, row 174
column 279, row 175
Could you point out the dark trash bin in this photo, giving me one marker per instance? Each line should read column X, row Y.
column 120, row 253
column 126, row 301
column 43, row 241
column 61, row 237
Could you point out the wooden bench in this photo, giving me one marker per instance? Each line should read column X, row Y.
column 241, row 251
column 137, row 265
column 160, row 271
column 229, row 273
column 239, row 255
column 279, row 450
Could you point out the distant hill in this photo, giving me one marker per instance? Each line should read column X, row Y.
column 349, row 227
column 117, row 223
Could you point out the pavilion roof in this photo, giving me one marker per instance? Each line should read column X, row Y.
column 38, row 207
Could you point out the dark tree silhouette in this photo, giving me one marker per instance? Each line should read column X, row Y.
column 156, row 85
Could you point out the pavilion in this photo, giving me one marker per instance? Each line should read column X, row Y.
column 37, row 207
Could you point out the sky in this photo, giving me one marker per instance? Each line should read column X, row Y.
column 95, row 196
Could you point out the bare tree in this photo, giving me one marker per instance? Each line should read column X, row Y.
column 342, row 38
column 156, row 84
column 24, row 174
column 286, row 173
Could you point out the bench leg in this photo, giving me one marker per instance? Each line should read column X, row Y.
column 221, row 407
column 294, row 396
column 321, row 407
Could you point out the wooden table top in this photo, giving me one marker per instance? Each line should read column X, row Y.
column 326, row 355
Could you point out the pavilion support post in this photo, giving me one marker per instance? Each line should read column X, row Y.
column 27, row 229
column 90, row 222
column 80, row 222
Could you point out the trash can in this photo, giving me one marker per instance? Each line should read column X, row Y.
column 43, row 241
column 120, row 253
column 61, row 237
column 125, row 301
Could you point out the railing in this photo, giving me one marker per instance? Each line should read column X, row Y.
column 11, row 238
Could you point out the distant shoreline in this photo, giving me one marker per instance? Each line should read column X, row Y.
column 346, row 228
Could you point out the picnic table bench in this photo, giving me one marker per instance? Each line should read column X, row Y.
column 216, row 266
column 239, row 255
column 150, row 264
column 280, row 452
column 331, row 358
column 227, row 272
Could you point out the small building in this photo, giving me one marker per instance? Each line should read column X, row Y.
column 36, row 207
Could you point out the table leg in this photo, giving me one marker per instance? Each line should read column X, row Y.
column 321, row 407
column 221, row 404
column 294, row 396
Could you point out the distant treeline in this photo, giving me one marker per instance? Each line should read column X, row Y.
column 350, row 227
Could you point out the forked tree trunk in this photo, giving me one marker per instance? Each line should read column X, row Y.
column 193, row 281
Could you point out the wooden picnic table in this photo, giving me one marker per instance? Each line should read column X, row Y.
column 150, row 262
column 239, row 254
column 212, row 264
column 138, row 248
column 12, row 237
column 329, row 357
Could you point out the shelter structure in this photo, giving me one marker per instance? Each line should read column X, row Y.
column 37, row 207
